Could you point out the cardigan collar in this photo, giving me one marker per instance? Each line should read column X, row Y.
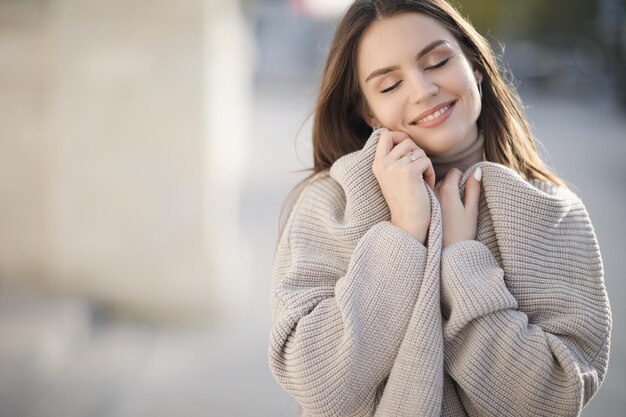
column 365, row 204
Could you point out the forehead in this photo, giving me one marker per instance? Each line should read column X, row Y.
column 388, row 40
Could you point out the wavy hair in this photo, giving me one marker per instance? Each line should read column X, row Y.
column 338, row 125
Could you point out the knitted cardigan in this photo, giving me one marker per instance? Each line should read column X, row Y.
column 368, row 321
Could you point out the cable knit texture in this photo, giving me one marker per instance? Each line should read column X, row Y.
column 368, row 321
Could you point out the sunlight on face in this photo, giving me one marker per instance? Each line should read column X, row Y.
column 415, row 79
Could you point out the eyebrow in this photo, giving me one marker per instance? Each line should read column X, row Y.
column 420, row 55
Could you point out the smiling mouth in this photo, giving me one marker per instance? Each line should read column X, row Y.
column 434, row 115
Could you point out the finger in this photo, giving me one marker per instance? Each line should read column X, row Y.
column 384, row 145
column 451, row 182
column 403, row 148
column 387, row 140
column 425, row 167
column 398, row 136
column 472, row 190
column 429, row 175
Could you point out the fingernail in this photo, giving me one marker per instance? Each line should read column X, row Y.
column 478, row 174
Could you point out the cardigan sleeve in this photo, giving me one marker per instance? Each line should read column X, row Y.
column 336, row 330
column 544, row 353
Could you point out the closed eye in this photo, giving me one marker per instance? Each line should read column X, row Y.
column 386, row 90
column 439, row 65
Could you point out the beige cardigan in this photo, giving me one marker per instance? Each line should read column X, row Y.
column 368, row 321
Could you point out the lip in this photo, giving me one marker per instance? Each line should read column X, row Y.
column 440, row 119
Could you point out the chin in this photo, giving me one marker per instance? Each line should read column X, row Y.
column 448, row 143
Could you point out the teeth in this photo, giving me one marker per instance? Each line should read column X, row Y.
column 434, row 115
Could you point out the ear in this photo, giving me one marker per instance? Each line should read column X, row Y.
column 478, row 76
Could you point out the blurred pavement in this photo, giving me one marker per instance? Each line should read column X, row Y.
column 69, row 358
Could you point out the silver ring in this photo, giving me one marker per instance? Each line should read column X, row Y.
column 412, row 156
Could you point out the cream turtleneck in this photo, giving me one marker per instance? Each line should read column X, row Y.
column 461, row 160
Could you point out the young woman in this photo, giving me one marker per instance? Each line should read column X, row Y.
column 432, row 265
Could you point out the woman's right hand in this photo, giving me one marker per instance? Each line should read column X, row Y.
column 402, row 182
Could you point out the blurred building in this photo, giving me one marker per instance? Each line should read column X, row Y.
column 120, row 149
column 126, row 137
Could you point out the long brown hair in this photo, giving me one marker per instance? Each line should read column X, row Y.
column 338, row 125
column 339, row 129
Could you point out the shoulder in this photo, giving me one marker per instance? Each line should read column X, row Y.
column 505, row 181
column 313, row 199
column 510, row 196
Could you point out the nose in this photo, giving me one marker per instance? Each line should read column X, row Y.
column 422, row 87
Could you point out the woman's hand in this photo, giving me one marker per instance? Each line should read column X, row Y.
column 402, row 182
column 459, row 220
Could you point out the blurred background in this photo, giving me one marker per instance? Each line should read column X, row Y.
column 146, row 148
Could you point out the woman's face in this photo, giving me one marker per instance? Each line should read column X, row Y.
column 416, row 79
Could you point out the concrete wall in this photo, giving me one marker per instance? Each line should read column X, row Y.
column 24, row 167
column 107, row 183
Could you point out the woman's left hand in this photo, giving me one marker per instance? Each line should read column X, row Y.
column 459, row 219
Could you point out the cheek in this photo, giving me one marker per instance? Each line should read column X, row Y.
column 388, row 110
column 470, row 90
column 477, row 100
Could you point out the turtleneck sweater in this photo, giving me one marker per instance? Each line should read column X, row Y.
column 461, row 160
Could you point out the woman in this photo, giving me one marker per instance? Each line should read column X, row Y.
column 433, row 266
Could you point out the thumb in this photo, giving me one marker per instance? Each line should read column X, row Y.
column 472, row 189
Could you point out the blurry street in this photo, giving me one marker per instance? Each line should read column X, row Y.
column 69, row 358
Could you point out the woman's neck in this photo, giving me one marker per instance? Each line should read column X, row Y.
column 461, row 160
